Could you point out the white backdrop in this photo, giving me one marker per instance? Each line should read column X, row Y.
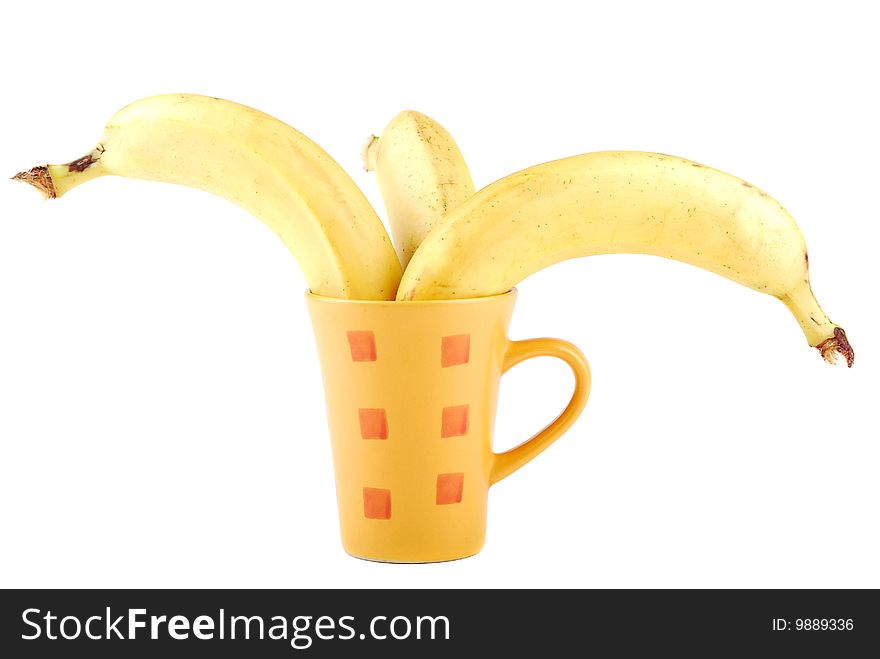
column 161, row 414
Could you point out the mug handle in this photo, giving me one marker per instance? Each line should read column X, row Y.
column 504, row 464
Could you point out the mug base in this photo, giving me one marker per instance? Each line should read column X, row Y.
column 398, row 561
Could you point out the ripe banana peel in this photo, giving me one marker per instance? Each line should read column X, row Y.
column 621, row 202
column 421, row 174
column 258, row 162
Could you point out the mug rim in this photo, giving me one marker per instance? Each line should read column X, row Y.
column 398, row 303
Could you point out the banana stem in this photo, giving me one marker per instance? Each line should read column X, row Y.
column 54, row 180
column 368, row 153
column 828, row 338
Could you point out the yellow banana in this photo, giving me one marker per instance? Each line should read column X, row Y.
column 421, row 175
column 258, row 162
column 621, row 202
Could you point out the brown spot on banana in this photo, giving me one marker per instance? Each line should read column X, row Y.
column 81, row 164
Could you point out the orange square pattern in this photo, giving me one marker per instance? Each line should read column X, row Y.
column 374, row 424
column 449, row 488
column 363, row 345
column 377, row 503
column 455, row 350
column 455, row 421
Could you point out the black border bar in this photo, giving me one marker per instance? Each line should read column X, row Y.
column 520, row 622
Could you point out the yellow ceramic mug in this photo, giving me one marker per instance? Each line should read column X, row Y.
column 411, row 390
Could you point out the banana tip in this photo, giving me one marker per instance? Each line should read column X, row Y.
column 837, row 344
column 40, row 178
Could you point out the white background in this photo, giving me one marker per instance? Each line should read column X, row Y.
column 161, row 412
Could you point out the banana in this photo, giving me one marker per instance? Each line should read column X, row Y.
column 421, row 175
column 621, row 202
column 258, row 162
